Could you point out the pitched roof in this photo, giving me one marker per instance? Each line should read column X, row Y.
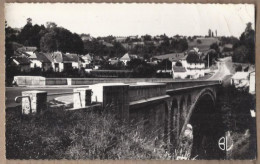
column 112, row 62
column 57, row 57
column 42, row 57
column 27, row 49
column 49, row 56
column 22, row 60
column 126, row 57
column 240, row 75
column 68, row 57
column 178, row 69
column 87, row 57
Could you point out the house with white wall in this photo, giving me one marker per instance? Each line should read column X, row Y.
column 86, row 60
column 179, row 72
column 22, row 63
column 127, row 57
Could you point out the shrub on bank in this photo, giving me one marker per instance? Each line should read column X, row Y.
column 58, row 134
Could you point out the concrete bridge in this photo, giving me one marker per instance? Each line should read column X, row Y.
column 165, row 109
column 159, row 109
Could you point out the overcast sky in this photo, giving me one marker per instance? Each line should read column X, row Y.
column 136, row 19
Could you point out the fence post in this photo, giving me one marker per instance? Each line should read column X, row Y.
column 69, row 81
column 35, row 102
column 81, row 97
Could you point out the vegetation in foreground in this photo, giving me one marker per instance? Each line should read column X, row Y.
column 60, row 134
column 235, row 106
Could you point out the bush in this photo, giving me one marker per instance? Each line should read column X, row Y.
column 178, row 64
column 199, row 41
column 239, row 68
column 81, row 134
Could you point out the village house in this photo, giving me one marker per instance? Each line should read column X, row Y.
column 63, row 62
column 29, row 51
column 240, row 80
column 86, row 60
column 86, row 37
column 41, row 61
column 70, row 61
column 120, row 39
column 179, row 72
column 113, row 61
column 127, row 57
column 192, row 69
column 22, row 63
column 244, row 81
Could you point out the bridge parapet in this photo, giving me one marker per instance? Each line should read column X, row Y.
column 181, row 85
column 146, row 90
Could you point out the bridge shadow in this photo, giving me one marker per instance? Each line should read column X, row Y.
column 207, row 129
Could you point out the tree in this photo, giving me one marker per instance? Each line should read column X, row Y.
column 199, row 41
column 31, row 35
column 51, row 25
column 244, row 51
column 193, row 57
column 119, row 49
column 60, row 39
column 165, row 64
column 239, row 68
column 240, row 55
column 212, row 55
column 215, row 47
column 178, row 64
column 147, row 37
column 48, row 42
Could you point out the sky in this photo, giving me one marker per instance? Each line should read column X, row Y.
column 136, row 19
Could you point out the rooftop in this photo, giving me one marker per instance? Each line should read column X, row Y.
column 178, row 69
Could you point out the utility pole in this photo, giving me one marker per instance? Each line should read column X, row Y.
column 166, row 66
column 208, row 60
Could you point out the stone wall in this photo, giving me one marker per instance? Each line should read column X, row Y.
column 56, row 81
column 32, row 80
column 29, row 80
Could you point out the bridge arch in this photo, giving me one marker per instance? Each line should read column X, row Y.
column 173, row 124
column 182, row 112
column 204, row 122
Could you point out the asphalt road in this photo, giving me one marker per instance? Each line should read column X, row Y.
column 224, row 69
column 12, row 92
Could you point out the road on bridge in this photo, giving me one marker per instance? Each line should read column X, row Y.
column 225, row 65
column 12, row 92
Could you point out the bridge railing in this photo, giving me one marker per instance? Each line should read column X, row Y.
column 146, row 90
column 36, row 101
column 171, row 85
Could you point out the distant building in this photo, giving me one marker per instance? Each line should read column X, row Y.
column 121, row 39
column 64, row 62
column 113, row 61
column 70, row 61
column 27, row 50
column 127, row 57
column 179, row 72
column 22, row 63
column 86, row 60
column 41, row 61
column 240, row 80
column 86, row 37
column 252, row 82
